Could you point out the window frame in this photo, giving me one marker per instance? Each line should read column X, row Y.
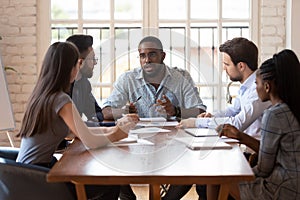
column 150, row 18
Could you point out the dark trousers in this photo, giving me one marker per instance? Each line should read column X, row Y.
column 98, row 192
column 126, row 193
column 176, row 192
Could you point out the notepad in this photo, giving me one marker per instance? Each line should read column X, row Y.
column 204, row 143
column 154, row 123
column 153, row 119
column 148, row 130
column 201, row 132
column 129, row 139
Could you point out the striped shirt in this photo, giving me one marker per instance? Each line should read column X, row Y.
column 177, row 85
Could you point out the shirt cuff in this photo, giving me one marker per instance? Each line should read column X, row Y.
column 202, row 122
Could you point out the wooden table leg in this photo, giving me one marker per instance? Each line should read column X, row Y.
column 154, row 192
column 224, row 192
column 80, row 191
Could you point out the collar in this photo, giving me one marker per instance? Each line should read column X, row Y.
column 248, row 83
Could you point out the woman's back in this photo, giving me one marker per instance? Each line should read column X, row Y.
column 279, row 154
column 40, row 147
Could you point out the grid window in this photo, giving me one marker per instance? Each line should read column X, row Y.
column 190, row 30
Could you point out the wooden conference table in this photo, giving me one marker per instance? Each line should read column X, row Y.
column 165, row 161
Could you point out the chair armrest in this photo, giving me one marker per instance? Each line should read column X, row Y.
column 9, row 152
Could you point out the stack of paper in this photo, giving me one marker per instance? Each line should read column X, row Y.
column 156, row 121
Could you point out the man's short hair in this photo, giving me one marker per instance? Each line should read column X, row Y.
column 241, row 50
column 82, row 42
column 152, row 39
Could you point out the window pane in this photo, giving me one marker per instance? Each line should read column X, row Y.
column 128, row 9
column 170, row 9
column 96, row 9
column 63, row 31
column 126, row 44
column 231, row 30
column 173, row 40
column 203, row 51
column 203, row 9
column 236, row 9
column 66, row 9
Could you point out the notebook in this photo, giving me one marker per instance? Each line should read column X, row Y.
column 201, row 132
column 204, row 143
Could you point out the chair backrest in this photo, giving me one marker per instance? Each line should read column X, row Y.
column 25, row 181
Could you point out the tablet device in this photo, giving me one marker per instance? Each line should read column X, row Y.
column 201, row 132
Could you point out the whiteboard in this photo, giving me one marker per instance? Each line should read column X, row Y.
column 7, row 121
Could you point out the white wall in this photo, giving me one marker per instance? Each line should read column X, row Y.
column 292, row 26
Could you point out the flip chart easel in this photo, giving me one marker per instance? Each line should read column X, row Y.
column 7, row 121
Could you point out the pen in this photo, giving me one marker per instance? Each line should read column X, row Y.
column 137, row 100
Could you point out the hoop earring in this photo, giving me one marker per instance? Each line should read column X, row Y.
column 228, row 95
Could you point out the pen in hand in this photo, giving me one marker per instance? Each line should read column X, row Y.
column 130, row 108
column 137, row 100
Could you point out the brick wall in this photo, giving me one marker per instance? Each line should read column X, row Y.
column 18, row 21
column 18, row 48
column 272, row 22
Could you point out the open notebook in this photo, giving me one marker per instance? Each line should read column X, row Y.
column 207, row 143
column 201, row 132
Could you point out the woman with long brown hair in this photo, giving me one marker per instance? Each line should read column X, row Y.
column 50, row 116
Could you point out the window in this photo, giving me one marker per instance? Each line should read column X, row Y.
column 190, row 30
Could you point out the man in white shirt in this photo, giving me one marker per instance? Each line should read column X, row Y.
column 240, row 61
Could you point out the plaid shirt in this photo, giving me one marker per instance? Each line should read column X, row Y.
column 277, row 172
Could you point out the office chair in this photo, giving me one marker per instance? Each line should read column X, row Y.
column 228, row 95
column 25, row 181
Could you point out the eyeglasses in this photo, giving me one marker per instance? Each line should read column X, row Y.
column 150, row 55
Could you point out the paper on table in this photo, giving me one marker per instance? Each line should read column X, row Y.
column 146, row 124
column 148, row 130
column 130, row 141
column 201, row 132
column 153, row 119
column 204, row 143
column 229, row 140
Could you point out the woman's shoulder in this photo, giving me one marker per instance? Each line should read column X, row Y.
column 279, row 108
column 61, row 98
column 280, row 111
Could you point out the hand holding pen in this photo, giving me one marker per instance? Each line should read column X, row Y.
column 228, row 131
column 130, row 108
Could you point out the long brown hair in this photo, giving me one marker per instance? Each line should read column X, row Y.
column 55, row 77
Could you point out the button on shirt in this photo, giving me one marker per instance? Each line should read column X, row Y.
column 245, row 114
column 177, row 85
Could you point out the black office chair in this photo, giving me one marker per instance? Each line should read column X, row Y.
column 25, row 181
